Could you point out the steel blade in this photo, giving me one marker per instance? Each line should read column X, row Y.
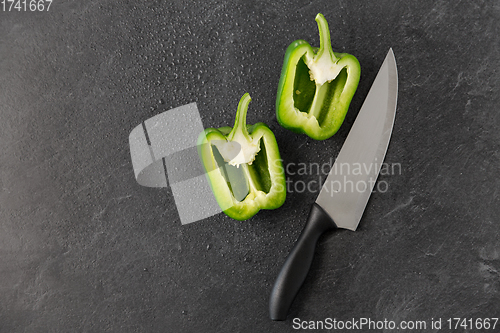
column 346, row 191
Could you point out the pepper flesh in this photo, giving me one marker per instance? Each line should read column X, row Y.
column 243, row 166
column 316, row 86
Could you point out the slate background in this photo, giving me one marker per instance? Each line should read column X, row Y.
column 84, row 248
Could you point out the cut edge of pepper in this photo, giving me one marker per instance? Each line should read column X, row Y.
column 264, row 196
column 316, row 115
column 250, row 171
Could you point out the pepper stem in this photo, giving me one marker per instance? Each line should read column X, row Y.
column 240, row 123
column 325, row 44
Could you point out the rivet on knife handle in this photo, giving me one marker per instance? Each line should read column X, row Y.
column 297, row 264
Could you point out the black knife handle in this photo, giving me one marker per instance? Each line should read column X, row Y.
column 298, row 262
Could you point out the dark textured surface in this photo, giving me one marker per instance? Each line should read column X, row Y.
column 84, row 248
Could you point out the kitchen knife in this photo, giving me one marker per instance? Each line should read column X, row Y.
column 346, row 191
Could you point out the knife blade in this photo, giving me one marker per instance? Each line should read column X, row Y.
column 347, row 188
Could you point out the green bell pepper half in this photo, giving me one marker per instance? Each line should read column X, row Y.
column 316, row 86
column 243, row 166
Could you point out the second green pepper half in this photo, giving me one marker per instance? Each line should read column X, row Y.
column 243, row 166
column 316, row 86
